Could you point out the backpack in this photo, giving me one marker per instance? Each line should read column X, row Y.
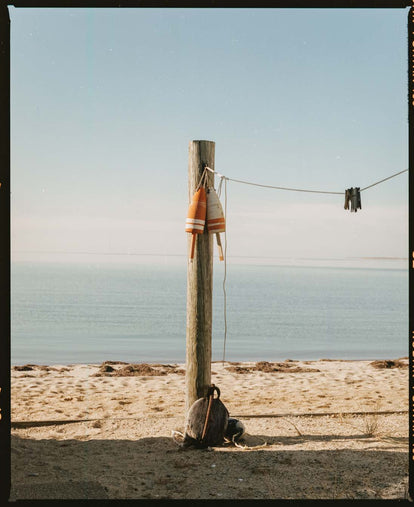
column 207, row 421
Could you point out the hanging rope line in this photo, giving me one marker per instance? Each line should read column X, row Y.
column 283, row 188
column 298, row 189
column 203, row 182
column 203, row 179
column 385, row 179
column 225, row 261
column 225, row 271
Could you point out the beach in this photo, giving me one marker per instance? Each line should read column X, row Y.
column 326, row 429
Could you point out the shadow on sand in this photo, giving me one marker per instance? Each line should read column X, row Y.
column 158, row 468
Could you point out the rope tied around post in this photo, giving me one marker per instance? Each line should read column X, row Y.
column 203, row 178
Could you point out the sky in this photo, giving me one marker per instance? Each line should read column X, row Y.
column 105, row 102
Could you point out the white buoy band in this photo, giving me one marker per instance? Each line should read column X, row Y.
column 194, row 224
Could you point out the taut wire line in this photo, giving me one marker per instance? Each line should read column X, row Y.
column 283, row 188
column 385, row 179
column 300, row 189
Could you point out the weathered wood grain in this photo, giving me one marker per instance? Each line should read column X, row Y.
column 199, row 286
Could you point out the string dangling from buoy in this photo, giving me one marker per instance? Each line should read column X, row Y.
column 196, row 217
column 215, row 218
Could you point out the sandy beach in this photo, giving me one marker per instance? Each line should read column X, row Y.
column 326, row 429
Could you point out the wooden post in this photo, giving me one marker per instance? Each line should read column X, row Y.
column 199, row 286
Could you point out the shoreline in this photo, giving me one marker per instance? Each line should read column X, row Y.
column 182, row 362
column 105, row 431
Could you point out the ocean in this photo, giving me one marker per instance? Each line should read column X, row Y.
column 65, row 313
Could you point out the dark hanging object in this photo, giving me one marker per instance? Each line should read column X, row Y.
column 207, row 421
column 347, row 198
column 353, row 198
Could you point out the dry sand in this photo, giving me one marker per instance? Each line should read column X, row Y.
column 333, row 429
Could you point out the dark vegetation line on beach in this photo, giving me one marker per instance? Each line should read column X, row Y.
column 154, row 369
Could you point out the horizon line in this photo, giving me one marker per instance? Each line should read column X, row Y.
column 230, row 256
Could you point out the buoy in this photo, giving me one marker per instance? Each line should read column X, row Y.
column 196, row 217
column 215, row 218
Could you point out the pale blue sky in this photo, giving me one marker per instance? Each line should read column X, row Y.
column 105, row 102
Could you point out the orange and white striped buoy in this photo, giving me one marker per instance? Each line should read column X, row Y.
column 215, row 218
column 196, row 217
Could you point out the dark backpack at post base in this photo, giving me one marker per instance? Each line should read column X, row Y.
column 206, row 421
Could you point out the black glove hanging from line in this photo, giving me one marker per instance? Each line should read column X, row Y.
column 353, row 197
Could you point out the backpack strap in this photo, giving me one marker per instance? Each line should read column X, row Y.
column 211, row 390
column 210, row 395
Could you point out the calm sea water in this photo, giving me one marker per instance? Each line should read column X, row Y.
column 75, row 313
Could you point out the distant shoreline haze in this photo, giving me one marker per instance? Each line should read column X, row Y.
column 181, row 259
